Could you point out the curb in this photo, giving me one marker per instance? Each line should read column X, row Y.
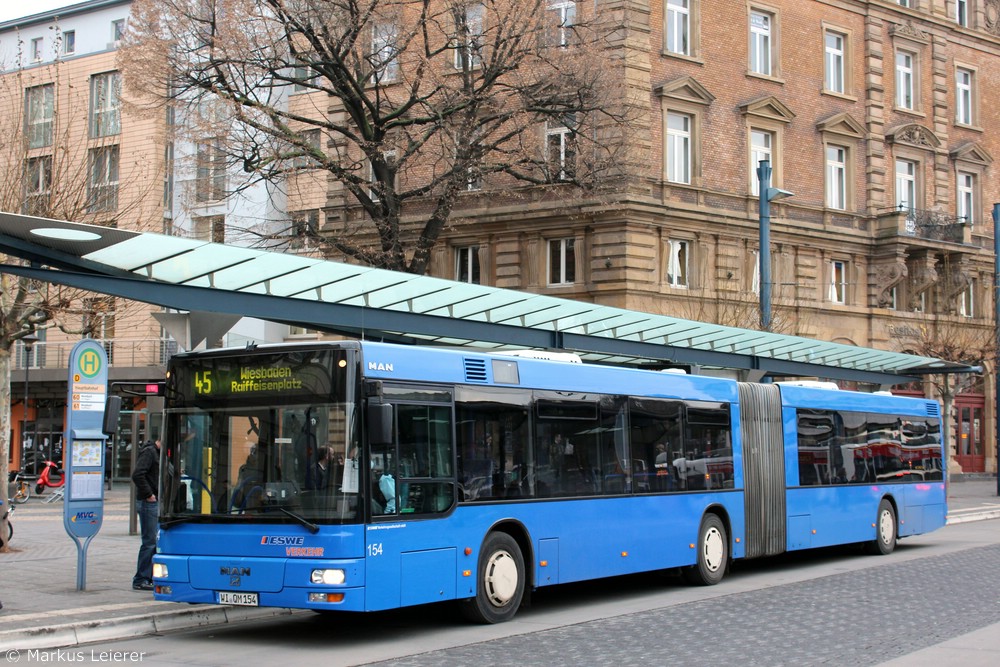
column 126, row 627
column 978, row 516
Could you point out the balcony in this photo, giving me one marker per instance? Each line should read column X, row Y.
column 122, row 353
column 925, row 225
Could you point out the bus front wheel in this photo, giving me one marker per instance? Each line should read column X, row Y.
column 713, row 553
column 500, row 583
column 885, row 530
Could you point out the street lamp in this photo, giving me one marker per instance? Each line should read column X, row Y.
column 996, row 325
column 29, row 342
column 767, row 195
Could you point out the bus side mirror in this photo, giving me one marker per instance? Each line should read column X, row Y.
column 112, row 408
column 379, row 423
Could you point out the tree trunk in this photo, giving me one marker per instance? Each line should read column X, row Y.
column 5, row 444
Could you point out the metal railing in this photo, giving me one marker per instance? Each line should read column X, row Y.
column 122, row 352
column 934, row 225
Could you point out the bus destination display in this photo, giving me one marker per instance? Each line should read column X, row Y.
column 312, row 374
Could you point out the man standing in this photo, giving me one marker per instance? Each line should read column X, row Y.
column 146, row 478
column 321, row 469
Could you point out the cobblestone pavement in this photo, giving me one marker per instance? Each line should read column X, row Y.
column 863, row 617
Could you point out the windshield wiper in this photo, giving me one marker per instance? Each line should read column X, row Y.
column 309, row 525
column 177, row 519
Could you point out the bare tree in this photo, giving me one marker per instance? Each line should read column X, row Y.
column 407, row 104
column 46, row 170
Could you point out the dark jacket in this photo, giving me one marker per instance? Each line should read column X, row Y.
column 146, row 475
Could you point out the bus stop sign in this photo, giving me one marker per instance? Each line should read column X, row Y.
column 83, row 506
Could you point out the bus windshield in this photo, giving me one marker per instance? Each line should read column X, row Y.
column 245, row 443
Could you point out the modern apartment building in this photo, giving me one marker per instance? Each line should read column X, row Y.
column 78, row 147
column 875, row 114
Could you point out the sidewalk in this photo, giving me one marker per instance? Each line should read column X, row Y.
column 43, row 609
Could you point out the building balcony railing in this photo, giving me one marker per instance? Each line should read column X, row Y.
column 925, row 224
column 122, row 352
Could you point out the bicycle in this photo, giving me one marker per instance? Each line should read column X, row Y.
column 7, row 514
column 20, row 489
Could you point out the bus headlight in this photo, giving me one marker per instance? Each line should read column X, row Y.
column 328, row 576
column 160, row 571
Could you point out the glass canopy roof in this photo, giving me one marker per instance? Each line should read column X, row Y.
column 189, row 274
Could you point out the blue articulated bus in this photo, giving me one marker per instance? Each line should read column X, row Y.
column 367, row 476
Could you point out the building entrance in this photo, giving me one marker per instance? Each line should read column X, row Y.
column 969, row 451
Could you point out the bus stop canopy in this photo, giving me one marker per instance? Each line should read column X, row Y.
column 192, row 275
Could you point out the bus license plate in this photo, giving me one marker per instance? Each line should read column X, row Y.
column 241, row 599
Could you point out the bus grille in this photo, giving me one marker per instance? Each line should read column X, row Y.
column 475, row 370
column 933, row 410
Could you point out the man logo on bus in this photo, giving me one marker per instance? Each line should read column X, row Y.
column 89, row 363
column 379, row 366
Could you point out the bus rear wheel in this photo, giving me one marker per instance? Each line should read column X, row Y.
column 500, row 583
column 885, row 530
column 713, row 553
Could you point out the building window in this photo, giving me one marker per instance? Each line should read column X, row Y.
column 678, row 148
column 303, row 76
column 102, row 186
column 69, row 42
column 168, row 179
column 210, row 176
column 967, row 303
column 761, row 43
column 838, row 282
column 906, row 185
column 963, row 96
column 117, row 31
column 679, row 27
column 562, row 261
column 561, row 17
column 905, row 88
column 677, row 263
column 962, row 13
column 560, row 151
column 210, row 228
column 304, row 229
column 305, row 160
column 469, row 36
column 905, row 3
column 966, row 209
column 834, row 61
column 761, row 144
column 384, row 61
column 105, row 120
column 473, row 179
column 38, row 186
column 39, row 115
column 467, row 264
column 37, row 48
column 836, row 177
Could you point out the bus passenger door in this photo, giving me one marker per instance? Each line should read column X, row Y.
column 411, row 558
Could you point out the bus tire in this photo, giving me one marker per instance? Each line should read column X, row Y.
column 713, row 553
column 500, row 583
column 885, row 530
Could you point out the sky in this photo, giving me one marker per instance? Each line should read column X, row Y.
column 15, row 9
